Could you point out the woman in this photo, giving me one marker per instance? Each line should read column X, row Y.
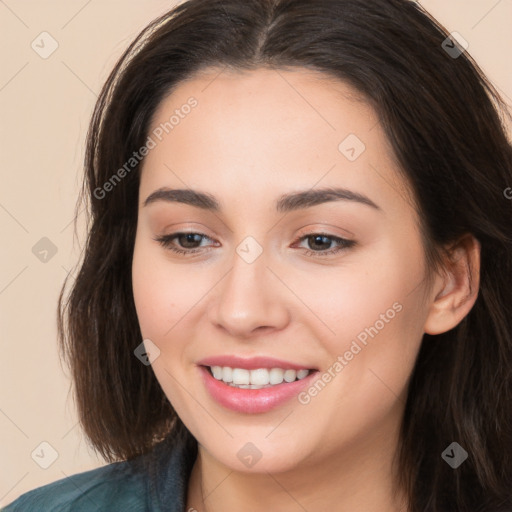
column 295, row 291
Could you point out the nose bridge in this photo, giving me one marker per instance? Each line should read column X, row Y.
column 248, row 297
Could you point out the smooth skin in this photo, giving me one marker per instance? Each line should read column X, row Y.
column 252, row 138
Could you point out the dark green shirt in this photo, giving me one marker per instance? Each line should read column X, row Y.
column 154, row 482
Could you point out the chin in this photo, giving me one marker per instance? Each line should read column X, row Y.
column 255, row 454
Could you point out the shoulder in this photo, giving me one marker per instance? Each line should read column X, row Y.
column 119, row 486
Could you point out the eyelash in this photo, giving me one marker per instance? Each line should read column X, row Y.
column 166, row 242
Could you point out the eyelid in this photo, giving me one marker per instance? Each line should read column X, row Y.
column 322, row 228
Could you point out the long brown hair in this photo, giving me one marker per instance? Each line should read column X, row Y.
column 445, row 123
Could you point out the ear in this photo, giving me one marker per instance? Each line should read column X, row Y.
column 455, row 291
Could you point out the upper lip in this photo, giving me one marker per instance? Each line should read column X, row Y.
column 252, row 363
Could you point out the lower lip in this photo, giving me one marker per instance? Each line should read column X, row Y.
column 252, row 401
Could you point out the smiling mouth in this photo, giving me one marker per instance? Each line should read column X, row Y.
column 258, row 378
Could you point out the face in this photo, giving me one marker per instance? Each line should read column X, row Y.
column 269, row 272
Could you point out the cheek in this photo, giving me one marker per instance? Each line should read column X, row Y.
column 152, row 295
column 365, row 295
column 164, row 297
column 374, row 311
column 163, row 293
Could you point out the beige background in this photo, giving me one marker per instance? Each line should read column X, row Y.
column 45, row 106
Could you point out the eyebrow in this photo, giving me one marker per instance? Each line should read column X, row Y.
column 285, row 203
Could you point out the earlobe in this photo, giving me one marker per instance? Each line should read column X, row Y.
column 455, row 292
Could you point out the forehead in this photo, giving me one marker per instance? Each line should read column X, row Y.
column 268, row 129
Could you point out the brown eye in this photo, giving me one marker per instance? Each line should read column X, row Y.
column 321, row 244
column 187, row 242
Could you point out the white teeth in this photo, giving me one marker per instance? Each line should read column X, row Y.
column 217, row 372
column 302, row 373
column 256, row 379
column 227, row 374
column 290, row 375
column 241, row 376
column 276, row 376
column 260, row 377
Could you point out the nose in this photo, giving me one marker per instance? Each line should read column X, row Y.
column 249, row 300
